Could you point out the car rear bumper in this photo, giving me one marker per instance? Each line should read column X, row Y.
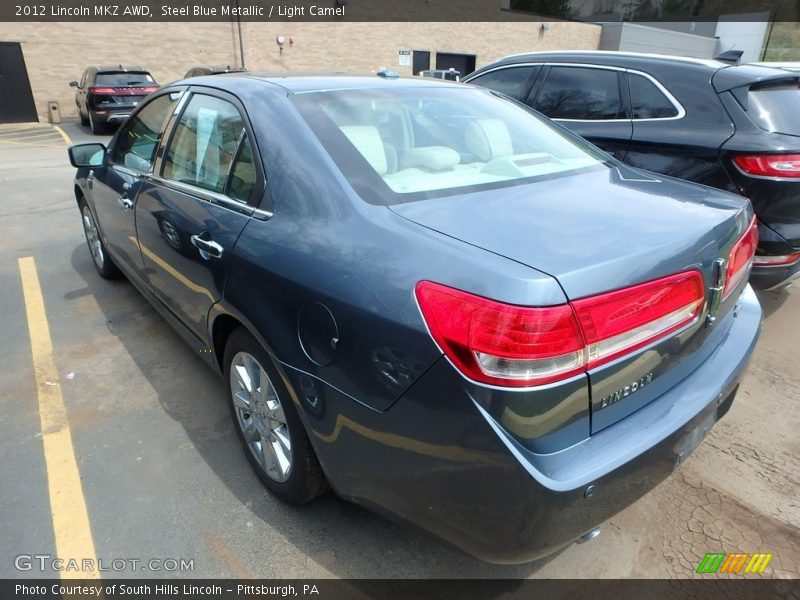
column 111, row 116
column 769, row 278
column 438, row 460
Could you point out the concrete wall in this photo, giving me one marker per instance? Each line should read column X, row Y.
column 56, row 53
column 747, row 36
column 641, row 38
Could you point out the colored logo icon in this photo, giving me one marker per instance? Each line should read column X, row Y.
column 738, row 562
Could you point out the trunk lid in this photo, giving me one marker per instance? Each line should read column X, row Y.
column 602, row 231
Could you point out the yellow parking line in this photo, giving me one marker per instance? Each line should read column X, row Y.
column 63, row 134
column 71, row 527
column 45, row 142
column 41, row 136
column 29, row 132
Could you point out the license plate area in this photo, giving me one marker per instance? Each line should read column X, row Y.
column 692, row 440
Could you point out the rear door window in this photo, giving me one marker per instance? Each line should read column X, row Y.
column 581, row 93
column 123, row 79
column 775, row 106
column 648, row 101
column 204, row 144
column 244, row 175
column 511, row 81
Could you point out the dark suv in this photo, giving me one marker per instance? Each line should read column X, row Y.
column 108, row 95
column 734, row 127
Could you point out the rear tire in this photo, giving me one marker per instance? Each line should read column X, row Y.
column 102, row 261
column 97, row 128
column 269, row 428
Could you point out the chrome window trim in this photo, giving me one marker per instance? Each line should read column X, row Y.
column 674, row 101
column 204, row 194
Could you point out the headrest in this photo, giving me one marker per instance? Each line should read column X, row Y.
column 434, row 158
column 368, row 142
column 488, row 139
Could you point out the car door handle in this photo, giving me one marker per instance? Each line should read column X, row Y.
column 208, row 248
column 125, row 203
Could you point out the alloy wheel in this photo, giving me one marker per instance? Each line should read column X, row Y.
column 261, row 417
column 93, row 237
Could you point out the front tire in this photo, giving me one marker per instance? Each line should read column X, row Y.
column 102, row 261
column 266, row 420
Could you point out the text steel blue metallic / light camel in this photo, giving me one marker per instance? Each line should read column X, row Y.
column 429, row 297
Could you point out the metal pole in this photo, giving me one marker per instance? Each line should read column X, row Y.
column 769, row 35
column 239, row 26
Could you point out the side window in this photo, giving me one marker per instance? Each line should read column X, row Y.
column 580, row 93
column 83, row 79
column 137, row 141
column 243, row 173
column 204, row 144
column 647, row 101
column 510, row 81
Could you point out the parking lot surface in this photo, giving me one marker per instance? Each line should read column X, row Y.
column 160, row 473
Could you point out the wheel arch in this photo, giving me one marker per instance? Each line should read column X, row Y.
column 221, row 329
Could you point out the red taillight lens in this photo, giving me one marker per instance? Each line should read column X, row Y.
column 126, row 91
column 769, row 165
column 620, row 322
column 501, row 343
column 741, row 258
column 518, row 346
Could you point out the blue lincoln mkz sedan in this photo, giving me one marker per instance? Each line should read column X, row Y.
column 429, row 297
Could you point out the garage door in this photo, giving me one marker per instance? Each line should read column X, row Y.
column 16, row 99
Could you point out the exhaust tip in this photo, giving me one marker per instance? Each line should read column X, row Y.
column 589, row 536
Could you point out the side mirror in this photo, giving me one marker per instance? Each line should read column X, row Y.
column 87, row 155
column 73, row 84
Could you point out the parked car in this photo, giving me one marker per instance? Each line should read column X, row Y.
column 107, row 95
column 446, row 74
column 430, row 298
column 734, row 127
column 200, row 71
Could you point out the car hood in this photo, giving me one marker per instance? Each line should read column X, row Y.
column 594, row 231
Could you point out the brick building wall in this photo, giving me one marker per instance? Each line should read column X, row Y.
column 56, row 53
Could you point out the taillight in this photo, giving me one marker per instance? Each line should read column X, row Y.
column 741, row 258
column 763, row 260
column 769, row 165
column 518, row 346
column 126, row 91
column 500, row 343
column 620, row 322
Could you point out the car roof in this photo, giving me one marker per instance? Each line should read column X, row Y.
column 303, row 83
column 120, row 68
column 608, row 56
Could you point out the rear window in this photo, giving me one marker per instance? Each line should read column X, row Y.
column 123, row 79
column 413, row 143
column 775, row 106
column 647, row 101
